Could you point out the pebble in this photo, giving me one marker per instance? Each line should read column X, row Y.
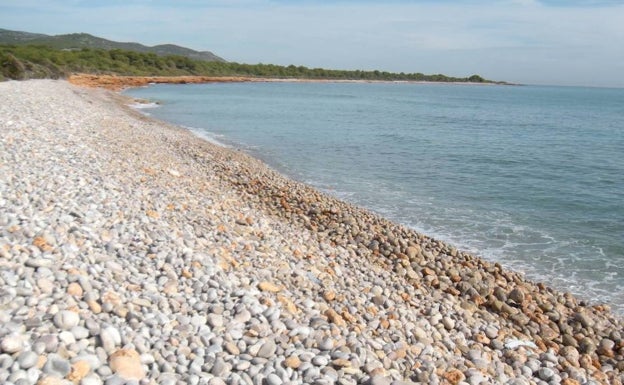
column 91, row 380
column 66, row 320
column 292, row 362
column 320, row 361
column 28, row 359
column 11, row 344
column 126, row 363
column 51, row 380
column 78, row 371
column 56, row 366
column 267, row 350
column 110, row 338
column 546, row 373
column 326, row 344
column 380, row 380
column 39, row 262
column 219, row 368
column 46, row 343
column 215, row 320
column 80, row 332
column 273, row 379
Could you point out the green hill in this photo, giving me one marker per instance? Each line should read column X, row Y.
column 26, row 55
column 84, row 40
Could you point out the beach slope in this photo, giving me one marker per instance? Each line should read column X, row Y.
column 132, row 251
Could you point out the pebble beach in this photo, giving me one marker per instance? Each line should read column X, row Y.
column 134, row 252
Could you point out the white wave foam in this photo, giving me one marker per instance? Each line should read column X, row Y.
column 207, row 136
column 144, row 106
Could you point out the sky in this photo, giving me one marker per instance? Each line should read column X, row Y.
column 556, row 42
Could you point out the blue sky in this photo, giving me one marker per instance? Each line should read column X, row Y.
column 528, row 41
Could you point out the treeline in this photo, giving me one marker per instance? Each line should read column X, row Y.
column 32, row 61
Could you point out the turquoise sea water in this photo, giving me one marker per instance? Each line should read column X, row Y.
column 531, row 177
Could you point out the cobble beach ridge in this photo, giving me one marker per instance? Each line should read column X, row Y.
column 133, row 252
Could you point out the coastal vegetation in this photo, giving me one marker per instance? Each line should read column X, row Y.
column 74, row 41
column 19, row 61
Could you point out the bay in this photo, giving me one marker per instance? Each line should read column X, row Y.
column 531, row 177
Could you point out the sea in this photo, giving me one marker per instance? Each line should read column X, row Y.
column 531, row 177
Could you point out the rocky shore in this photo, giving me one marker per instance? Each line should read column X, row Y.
column 117, row 83
column 133, row 252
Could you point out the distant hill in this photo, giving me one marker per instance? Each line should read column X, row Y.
column 84, row 40
column 25, row 55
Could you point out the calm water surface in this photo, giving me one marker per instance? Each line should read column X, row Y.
column 532, row 177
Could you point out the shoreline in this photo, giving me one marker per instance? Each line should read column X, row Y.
column 425, row 311
column 119, row 83
column 591, row 291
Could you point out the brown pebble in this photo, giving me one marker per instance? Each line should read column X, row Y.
column 329, row 295
column 341, row 363
column 94, row 306
column 152, row 214
column 126, row 363
column 413, row 251
column 111, row 297
column 50, row 380
column 454, row 376
column 42, row 244
column 292, row 362
column 78, row 371
column 186, row 274
column 482, row 339
column 287, row 303
column 334, row 317
column 269, row 287
column 41, row 361
column 348, row 316
column 74, row 289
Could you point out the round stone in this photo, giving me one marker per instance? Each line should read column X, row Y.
column 326, row 344
column 110, row 338
column 448, row 323
column 66, row 319
column 216, row 381
column 220, row 368
column 545, row 373
column 491, row 332
column 91, row 380
column 126, row 363
column 320, row 361
column 56, row 365
column 215, row 320
column 50, row 380
column 380, row 380
column 27, row 359
column 273, row 379
column 267, row 350
column 80, row 332
column 11, row 344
